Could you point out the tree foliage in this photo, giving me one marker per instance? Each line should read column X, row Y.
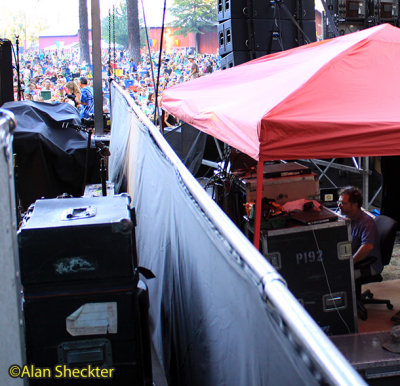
column 119, row 20
column 130, row 35
column 17, row 21
column 193, row 15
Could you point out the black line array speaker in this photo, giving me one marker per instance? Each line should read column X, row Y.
column 6, row 74
column 268, row 36
column 249, row 29
column 263, row 9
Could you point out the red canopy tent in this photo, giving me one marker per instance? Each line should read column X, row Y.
column 335, row 98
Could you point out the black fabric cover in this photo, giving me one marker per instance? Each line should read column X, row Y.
column 390, row 166
column 210, row 323
column 188, row 143
column 50, row 159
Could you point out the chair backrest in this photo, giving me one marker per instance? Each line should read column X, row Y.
column 387, row 234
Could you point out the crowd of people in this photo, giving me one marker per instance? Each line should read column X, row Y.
column 60, row 77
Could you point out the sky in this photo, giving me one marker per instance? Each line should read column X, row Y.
column 62, row 16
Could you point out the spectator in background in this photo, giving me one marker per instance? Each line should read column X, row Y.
column 106, row 108
column 132, row 66
column 75, row 92
column 176, row 68
column 209, row 68
column 27, row 74
column 46, row 85
column 31, row 90
column 194, row 68
column 87, row 100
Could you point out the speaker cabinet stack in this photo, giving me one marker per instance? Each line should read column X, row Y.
column 249, row 29
column 6, row 75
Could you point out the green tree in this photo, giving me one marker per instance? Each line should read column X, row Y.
column 194, row 16
column 121, row 31
column 119, row 20
column 17, row 22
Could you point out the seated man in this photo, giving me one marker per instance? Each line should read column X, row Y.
column 364, row 234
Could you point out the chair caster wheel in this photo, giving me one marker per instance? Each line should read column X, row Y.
column 362, row 312
column 363, row 315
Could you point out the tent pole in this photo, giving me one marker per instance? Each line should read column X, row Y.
column 257, row 221
column 365, row 183
column 162, row 122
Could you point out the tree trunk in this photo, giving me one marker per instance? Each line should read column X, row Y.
column 83, row 32
column 133, row 30
column 197, row 39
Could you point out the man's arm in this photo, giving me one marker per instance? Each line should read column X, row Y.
column 363, row 252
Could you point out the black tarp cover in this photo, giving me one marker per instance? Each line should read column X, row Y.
column 50, row 158
column 210, row 323
column 188, row 143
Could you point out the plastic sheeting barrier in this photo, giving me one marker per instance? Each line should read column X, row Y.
column 211, row 323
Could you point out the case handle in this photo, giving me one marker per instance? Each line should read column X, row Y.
column 78, row 213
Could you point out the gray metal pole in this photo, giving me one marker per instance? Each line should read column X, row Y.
column 12, row 335
column 365, row 183
column 96, row 60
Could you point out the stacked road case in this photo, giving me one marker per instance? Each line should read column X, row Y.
column 84, row 304
column 316, row 262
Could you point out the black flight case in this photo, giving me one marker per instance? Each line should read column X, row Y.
column 316, row 262
column 84, row 303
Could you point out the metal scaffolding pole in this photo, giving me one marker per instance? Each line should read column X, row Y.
column 96, row 61
column 365, row 187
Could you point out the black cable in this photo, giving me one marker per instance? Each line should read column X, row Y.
column 109, row 36
column 148, row 45
column 16, row 59
column 115, row 55
column 285, row 8
column 250, row 30
column 328, row 284
column 159, row 64
column 109, row 73
column 276, row 30
column 85, row 172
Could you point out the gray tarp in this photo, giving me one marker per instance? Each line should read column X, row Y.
column 210, row 323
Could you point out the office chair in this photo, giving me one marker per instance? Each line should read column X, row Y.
column 386, row 227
